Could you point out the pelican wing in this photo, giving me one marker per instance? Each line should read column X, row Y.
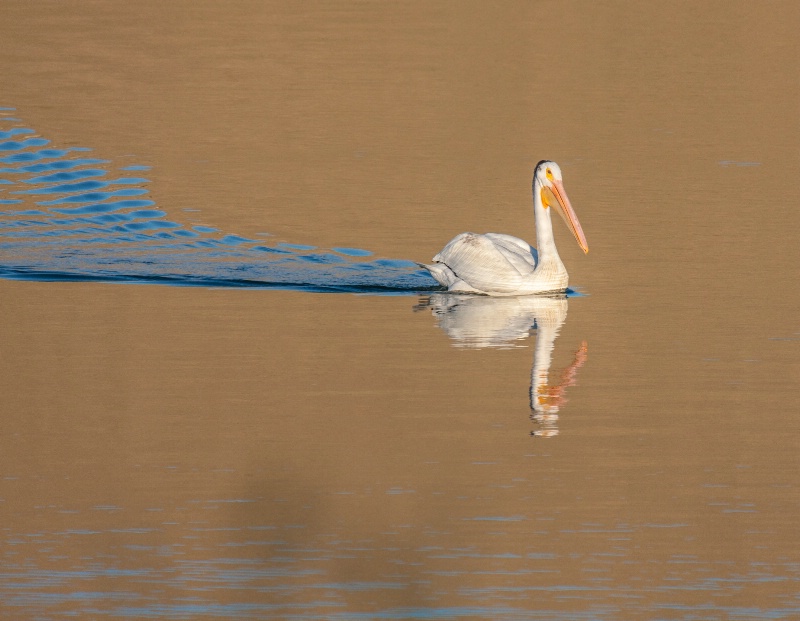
column 486, row 264
column 519, row 252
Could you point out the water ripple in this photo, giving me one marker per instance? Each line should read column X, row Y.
column 69, row 217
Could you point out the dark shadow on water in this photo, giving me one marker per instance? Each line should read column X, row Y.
column 186, row 280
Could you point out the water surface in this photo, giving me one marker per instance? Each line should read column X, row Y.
column 250, row 448
column 65, row 219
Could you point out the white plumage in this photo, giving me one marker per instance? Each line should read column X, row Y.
column 502, row 265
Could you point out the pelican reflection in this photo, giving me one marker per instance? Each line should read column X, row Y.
column 477, row 322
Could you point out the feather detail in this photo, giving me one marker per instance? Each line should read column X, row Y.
column 485, row 265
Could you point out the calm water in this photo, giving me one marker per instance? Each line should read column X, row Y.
column 283, row 439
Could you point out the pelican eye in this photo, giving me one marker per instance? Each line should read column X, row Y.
column 549, row 174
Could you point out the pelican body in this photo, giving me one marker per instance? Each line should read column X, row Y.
column 503, row 265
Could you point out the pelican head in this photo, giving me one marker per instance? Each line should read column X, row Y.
column 547, row 182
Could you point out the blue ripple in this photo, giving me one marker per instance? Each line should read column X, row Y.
column 322, row 258
column 15, row 132
column 39, row 155
column 147, row 213
column 297, row 246
column 13, row 145
column 402, row 263
column 104, row 207
column 152, row 224
column 110, row 236
column 130, row 180
column 29, row 212
column 94, row 196
column 56, row 165
column 353, row 252
column 235, row 240
column 271, row 250
column 67, row 176
column 64, row 188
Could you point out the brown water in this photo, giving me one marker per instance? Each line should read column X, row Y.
column 194, row 452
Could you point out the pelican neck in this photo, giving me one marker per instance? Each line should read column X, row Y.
column 545, row 242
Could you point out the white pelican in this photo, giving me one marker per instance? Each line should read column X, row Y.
column 498, row 264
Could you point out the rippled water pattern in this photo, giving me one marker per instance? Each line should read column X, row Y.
column 68, row 216
column 179, row 571
column 240, row 446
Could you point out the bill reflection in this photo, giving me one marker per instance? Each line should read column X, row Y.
column 477, row 322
